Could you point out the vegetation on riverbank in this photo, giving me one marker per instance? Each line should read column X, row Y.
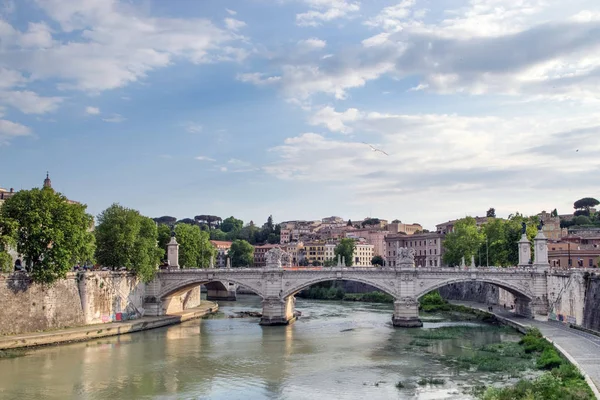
column 433, row 302
column 328, row 291
column 12, row 353
column 562, row 381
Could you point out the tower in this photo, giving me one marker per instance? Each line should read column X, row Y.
column 47, row 181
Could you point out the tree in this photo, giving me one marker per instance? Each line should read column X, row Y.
column 554, row 213
column 241, row 253
column 513, row 235
column 330, row 263
column 377, row 260
column 6, row 242
column 217, row 234
column 125, row 238
column 210, row 221
column 166, row 220
column 164, row 236
column 231, row 224
column 188, row 221
column 349, row 223
column 371, row 221
column 51, row 234
column 581, row 220
column 494, row 250
column 346, row 249
column 585, row 204
column 491, row 213
column 464, row 241
column 303, row 262
column 195, row 249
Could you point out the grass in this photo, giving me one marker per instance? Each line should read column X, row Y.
column 400, row 385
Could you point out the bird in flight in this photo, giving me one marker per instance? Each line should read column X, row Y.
column 376, row 149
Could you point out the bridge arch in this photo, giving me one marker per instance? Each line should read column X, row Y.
column 516, row 290
column 184, row 285
column 299, row 286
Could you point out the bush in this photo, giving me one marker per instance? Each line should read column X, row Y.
column 5, row 262
column 549, row 359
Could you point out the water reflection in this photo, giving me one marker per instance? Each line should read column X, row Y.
column 336, row 350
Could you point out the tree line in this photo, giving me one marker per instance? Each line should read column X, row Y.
column 228, row 229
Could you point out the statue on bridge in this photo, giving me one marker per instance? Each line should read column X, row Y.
column 523, row 227
column 540, row 225
column 405, row 258
column 274, row 257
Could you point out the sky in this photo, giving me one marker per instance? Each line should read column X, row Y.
column 259, row 107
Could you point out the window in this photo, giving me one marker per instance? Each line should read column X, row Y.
column 430, row 251
column 431, row 263
column 435, row 262
column 591, row 262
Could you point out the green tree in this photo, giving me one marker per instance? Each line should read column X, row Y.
column 125, row 238
column 491, row 213
column 232, row 224
column 51, row 234
column 6, row 242
column 349, row 223
column 166, row 220
column 195, row 249
column 581, row 220
column 495, row 247
column 330, row 263
column 377, row 260
column 513, row 234
column 164, row 236
column 585, row 204
column 464, row 241
column 241, row 253
column 346, row 249
column 250, row 233
column 217, row 234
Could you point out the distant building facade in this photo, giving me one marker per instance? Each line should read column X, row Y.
column 373, row 237
column 551, row 228
column 260, row 253
column 448, row 227
column 428, row 248
column 408, row 229
column 222, row 247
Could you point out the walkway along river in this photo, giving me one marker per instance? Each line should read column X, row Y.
column 336, row 350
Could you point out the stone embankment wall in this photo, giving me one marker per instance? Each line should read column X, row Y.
column 471, row 291
column 80, row 299
column 591, row 311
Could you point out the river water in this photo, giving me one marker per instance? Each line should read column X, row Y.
column 336, row 350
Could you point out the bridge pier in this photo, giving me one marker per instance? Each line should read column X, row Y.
column 406, row 313
column 223, row 292
column 277, row 311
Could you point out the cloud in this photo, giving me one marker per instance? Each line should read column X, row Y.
column 10, row 130
column 530, row 49
column 192, row 127
column 326, row 10
column 29, row 102
column 223, row 169
column 311, row 44
column 115, row 118
column 230, row 12
column 110, row 44
column 234, row 24
column 205, row 158
column 333, row 120
column 92, row 110
column 441, row 153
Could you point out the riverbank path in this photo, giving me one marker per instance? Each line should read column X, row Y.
column 583, row 347
column 88, row 332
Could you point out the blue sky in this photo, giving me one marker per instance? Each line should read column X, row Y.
column 259, row 107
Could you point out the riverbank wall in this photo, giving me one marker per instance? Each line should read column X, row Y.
column 103, row 330
column 573, row 296
column 84, row 298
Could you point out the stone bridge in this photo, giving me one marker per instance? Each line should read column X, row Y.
column 405, row 283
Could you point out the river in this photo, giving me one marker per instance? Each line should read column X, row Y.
column 336, row 350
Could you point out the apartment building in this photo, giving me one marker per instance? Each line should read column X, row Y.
column 363, row 254
column 408, row 229
column 260, row 252
column 428, row 248
column 222, row 247
column 374, row 237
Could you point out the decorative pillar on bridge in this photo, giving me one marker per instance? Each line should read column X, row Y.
column 406, row 308
column 540, row 305
column 173, row 252
column 524, row 248
column 276, row 309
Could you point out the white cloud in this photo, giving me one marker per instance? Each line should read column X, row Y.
column 311, row 44
column 326, row 10
column 29, row 102
column 223, row 169
column 10, row 78
column 335, row 121
column 205, row 158
column 231, row 12
column 115, row 118
column 111, row 44
column 258, row 78
column 234, row 24
column 10, row 130
column 92, row 110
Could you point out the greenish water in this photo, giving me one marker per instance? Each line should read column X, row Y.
column 336, row 350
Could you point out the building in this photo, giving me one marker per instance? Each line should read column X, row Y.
column 222, row 247
column 374, row 237
column 260, row 252
column 551, row 228
column 315, row 251
column 285, row 236
column 408, row 229
column 447, row 227
column 6, row 194
column 567, row 254
column 363, row 254
column 295, row 250
column 428, row 248
column 333, row 221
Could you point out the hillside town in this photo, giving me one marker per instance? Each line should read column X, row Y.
column 573, row 239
